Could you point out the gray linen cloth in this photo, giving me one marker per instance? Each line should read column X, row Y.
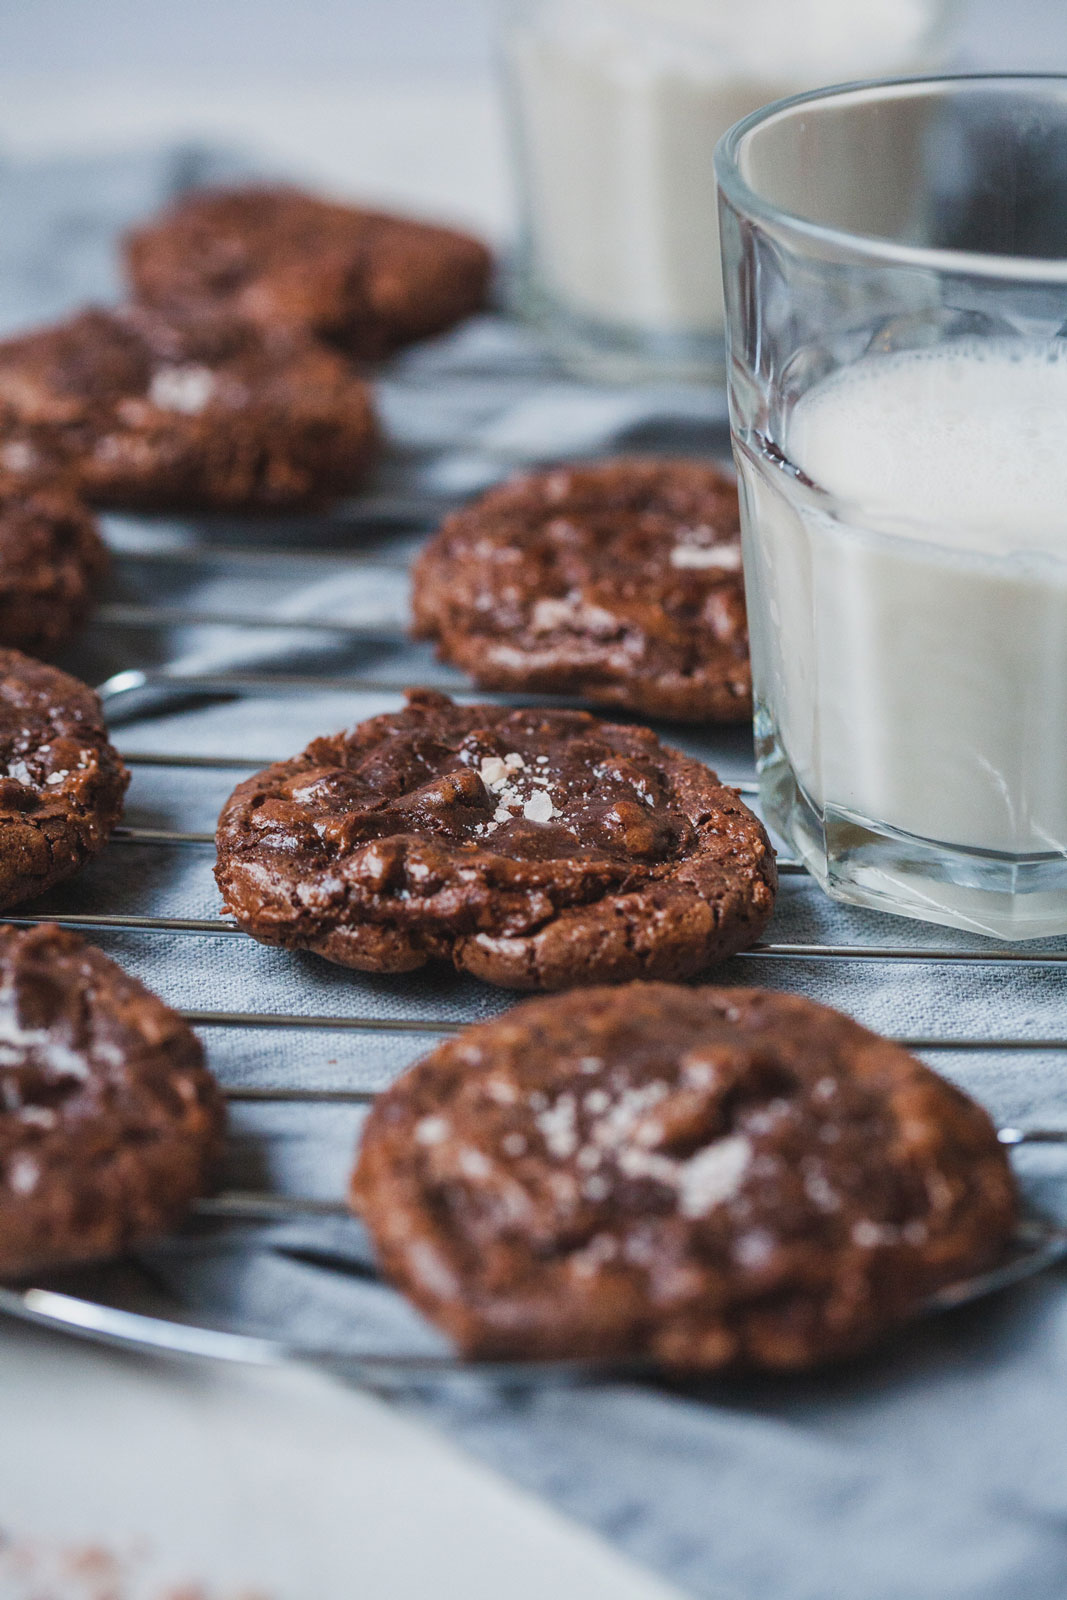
column 934, row 1469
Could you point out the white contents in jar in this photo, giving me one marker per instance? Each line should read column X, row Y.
column 621, row 104
column 911, row 643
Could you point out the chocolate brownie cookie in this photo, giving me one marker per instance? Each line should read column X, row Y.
column 183, row 411
column 110, row 1124
column 707, row 1178
column 620, row 582
column 536, row 849
column 51, row 560
column 61, row 782
column 363, row 280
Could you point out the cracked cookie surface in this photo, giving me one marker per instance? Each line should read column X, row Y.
column 110, row 1124
column 366, row 281
column 535, row 849
column 183, row 411
column 61, row 781
column 708, row 1178
column 618, row 581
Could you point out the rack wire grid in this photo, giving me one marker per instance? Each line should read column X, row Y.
column 208, row 628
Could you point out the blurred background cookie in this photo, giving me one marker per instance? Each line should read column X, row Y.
column 110, row 1124
column 183, row 410
column 366, row 281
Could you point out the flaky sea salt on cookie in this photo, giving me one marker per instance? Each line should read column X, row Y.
column 704, row 1178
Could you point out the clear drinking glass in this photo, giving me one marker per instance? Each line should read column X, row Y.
column 895, row 268
column 615, row 109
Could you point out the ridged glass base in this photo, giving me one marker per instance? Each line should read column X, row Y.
column 868, row 863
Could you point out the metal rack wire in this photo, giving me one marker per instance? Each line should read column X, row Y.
column 90, row 1310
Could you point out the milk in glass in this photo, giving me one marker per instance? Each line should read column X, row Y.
column 622, row 103
column 907, row 568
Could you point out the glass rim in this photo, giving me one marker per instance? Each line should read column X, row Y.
column 890, row 252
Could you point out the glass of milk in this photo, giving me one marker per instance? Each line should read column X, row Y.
column 616, row 107
column 895, row 266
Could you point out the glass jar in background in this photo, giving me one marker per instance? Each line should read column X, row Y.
column 895, row 265
column 615, row 108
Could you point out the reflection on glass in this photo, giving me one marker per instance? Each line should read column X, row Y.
column 898, row 384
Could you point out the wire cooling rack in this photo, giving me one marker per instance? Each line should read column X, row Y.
column 142, row 635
